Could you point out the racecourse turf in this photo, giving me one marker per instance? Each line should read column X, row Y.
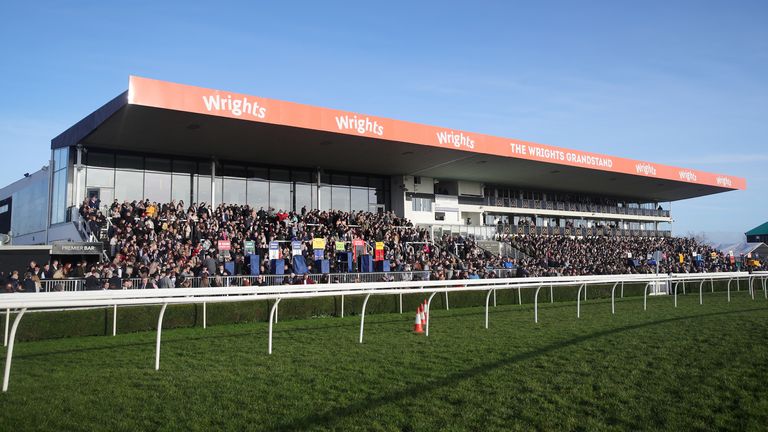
column 696, row 367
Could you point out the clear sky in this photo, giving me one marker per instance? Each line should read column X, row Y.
column 683, row 82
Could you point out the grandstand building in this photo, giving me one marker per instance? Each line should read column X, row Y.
column 164, row 141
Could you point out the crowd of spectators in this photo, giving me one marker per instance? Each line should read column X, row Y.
column 159, row 245
column 562, row 255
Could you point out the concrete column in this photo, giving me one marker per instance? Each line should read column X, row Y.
column 213, row 184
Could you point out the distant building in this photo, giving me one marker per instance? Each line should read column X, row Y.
column 758, row 234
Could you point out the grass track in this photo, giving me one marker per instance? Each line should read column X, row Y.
column 690, row 368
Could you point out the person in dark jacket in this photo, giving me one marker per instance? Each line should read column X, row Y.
column 28, row 285
column 92, row 281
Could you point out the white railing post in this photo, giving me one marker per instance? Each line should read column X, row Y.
column 536, row 304
column 401, row 303
column 551, row 294
column 114, row 320
column 675, row 289
column 578, row 301
column 729, row 290
column 645, row 295
column 487, row 302
column 622, row 289
column 342, row 305
column 613, row 298
column 429, row 314
column 446, row 301
column 205, row 315
column 701, row 292
column 750, row 279
column 159, row 335
column 272, row 319
column 362, row 316
column 7, row 322
column 9, row 353
column 519, row 297
column 494, row 298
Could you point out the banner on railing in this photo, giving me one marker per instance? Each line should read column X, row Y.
column 224, row 245
column 318, row 243
column 274, row 250
column 295, row 248
column 250, row 247
column 340, row 246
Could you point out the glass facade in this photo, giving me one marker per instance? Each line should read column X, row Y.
column 133, row 177
column 28, row 207
column 60, row 180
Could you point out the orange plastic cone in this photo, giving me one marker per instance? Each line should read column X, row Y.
column 417, row 328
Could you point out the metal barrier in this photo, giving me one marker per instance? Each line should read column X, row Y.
column 113, row 298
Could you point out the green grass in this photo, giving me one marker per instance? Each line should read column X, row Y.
column 690, row 368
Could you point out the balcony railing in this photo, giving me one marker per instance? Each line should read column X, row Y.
column 563, row 206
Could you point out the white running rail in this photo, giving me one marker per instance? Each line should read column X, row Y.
column 24, row 302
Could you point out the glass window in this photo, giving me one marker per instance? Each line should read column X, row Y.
column 157, row 186
column 181, row 187
column 155, row 164
column 258, row 194
column 130, row 162
column 234, row 191
column 129, row 185
column 359, row 199
column 27, row 204
column 184, row 166
column 100, row 159
column 340, row 198
column 325, row 197
column 219, row 184
column 421, row 204
column 303, row 196
column 340, row 179
column 280, row 195
column 203, row 190
column 359, row 181
column 100, row 177
column 301, row 176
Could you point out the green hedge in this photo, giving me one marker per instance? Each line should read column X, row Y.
column 96, row 322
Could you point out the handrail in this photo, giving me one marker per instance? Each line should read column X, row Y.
column 173, row 296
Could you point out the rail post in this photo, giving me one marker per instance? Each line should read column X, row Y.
column 401, row 303
column 675, row 289
column 114, row 320
column 750, row 281
column 519, row 297
column 342, row 305
column 272, row 320
column 159, row 335
column 487, row 302
column 7, row 322
column 536, row 304
column 9, row 353
column 362, row 316
column 494, row 298
column 578, row 301
column 645, row 295
column 205, row 315
column 429, row 315
column 622, row 289
column 729, row 290
column 701, row 292
column 613, row 298
column 446, row 304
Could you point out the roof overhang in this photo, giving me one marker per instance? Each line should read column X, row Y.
column 165, row 118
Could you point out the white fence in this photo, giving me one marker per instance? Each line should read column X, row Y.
column 113, row 298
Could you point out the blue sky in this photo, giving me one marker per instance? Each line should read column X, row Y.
column 682, row 82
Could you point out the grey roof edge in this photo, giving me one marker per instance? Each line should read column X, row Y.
column 84, row 127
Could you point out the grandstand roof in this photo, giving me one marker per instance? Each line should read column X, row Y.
column 174, row 119
column 758, row 230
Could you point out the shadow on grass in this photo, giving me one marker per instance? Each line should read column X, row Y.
column 329, row 417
